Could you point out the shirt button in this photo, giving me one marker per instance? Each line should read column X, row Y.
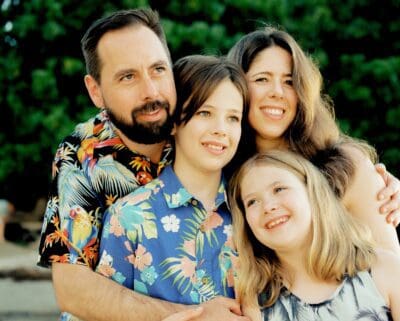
column 194, row 202
column 202, row 228
column 204, row 280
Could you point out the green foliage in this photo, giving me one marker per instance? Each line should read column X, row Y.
column 42, row 95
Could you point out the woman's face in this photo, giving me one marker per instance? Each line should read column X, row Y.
column 273, row 99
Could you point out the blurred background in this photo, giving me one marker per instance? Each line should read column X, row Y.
column 42, row 94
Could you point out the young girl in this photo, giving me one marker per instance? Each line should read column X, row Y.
column 288, row 112
column 302, row 257
column 172, row 239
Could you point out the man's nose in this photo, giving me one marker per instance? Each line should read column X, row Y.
column 149, row 89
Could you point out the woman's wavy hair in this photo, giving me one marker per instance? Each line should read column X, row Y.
column 340, row 246
column 314, row 125
column 313, row 133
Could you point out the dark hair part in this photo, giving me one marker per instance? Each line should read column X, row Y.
column 248, row 47
column 117, row 20
column 197, row 76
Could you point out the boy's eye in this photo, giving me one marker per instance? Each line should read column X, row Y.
column 203, row 113
column 289, row 82
column 234, row 119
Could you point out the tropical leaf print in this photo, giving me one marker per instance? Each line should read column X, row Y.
column 184, row 270
column 372, row 315
column 137, row 220
column 111, row 175
column 206, row 222
column 71, row 179
column 139, row 163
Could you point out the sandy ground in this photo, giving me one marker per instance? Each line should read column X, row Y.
column 26, row 292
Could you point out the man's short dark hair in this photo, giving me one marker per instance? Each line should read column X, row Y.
column 117, row 20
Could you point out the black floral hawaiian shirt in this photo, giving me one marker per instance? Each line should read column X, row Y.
column 92, row 168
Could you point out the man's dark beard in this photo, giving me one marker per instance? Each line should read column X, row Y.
column 147, row 133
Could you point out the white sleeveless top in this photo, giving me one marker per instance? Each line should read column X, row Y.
column 356, row 298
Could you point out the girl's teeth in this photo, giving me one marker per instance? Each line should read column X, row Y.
column 276, row 222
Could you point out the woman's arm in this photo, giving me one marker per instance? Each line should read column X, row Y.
column 361, row 200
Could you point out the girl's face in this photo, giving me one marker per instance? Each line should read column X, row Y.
column 208, row 141
column 273, row 99
column 277, row 208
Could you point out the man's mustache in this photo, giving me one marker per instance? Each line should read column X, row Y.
column 150, row 106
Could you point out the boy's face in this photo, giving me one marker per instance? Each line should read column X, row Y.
column 208, row 141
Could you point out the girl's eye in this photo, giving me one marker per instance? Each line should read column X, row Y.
column 279, row 189
column 203, row 113
column 251, row 202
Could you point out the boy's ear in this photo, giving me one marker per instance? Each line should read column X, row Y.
column 94, row 90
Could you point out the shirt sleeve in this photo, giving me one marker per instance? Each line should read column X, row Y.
column 72, row 220
column 117, row 251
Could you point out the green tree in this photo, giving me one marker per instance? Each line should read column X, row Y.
column 42, row 95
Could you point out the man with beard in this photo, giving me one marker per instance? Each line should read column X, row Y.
column 129, row 77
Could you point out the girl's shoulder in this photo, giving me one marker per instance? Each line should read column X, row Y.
column 386, row 275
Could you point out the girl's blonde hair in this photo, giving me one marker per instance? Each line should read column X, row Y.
column 340, row 246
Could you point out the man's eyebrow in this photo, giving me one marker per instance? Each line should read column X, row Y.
column 124, row 72
column 159, row 63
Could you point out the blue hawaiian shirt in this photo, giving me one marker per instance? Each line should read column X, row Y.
column 160, row 241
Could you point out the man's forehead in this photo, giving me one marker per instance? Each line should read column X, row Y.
column 133, row 45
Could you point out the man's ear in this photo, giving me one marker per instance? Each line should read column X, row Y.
column 94, row 91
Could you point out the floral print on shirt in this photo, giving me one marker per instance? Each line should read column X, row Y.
column 160, row 241
column 92, row 168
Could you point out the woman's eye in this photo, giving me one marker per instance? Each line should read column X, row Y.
column 261, row 79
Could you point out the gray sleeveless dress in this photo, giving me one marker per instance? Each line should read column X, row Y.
column 356, row 298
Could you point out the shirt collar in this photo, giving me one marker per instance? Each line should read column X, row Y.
column 176, row 195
